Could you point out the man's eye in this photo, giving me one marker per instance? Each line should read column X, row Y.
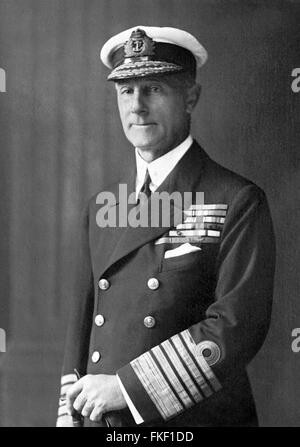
column 125, row 91
column 154, row 89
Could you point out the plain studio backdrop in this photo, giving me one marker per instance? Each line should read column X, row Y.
column 61, row 141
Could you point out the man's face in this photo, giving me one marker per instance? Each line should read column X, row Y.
column 153, row 114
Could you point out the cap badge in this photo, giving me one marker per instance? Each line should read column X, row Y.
column 139, row 45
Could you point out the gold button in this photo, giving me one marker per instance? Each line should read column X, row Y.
column 99, row 320
column 96, row 356
column 104, row 284
column 153, row 283
column 149, row 322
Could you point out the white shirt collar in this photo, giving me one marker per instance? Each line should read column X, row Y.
column 161, row 167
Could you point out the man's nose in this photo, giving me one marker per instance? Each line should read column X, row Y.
column 138, row 104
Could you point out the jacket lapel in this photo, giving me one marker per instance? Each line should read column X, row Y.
column 185, row 177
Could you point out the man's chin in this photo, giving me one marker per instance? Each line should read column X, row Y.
column 143, row 144
column 143, row 137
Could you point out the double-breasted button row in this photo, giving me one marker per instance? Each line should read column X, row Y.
column 104, row 284
column 149, row 321
column 153, row 284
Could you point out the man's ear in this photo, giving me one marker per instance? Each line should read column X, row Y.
column 192, row 97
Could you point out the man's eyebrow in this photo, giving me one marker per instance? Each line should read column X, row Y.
column 154, row 79
column 122, row 84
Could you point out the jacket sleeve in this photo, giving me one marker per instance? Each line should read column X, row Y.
column 79, row 324
column 194, row 364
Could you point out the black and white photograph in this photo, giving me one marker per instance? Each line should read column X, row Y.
column 149, row 249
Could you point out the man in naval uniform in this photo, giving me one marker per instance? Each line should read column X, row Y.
column 166, row 318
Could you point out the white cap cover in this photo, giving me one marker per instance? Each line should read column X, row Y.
column 145, row 50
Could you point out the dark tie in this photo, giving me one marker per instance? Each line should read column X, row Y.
column 145, row 188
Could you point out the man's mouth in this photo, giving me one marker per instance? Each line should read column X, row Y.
column 142, row 124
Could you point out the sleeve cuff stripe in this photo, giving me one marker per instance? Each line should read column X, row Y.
column 200, row 361
column 183, row 370
column 176, row 375
column 169, row 384
column 170, row 377
column 188, row 358
column 189, row 347
column 209, row 374
column 155, row 385
column 139, row 366
column 164, row 392
column 179, row 371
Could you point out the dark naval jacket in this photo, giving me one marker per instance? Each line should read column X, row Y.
column 178, row 330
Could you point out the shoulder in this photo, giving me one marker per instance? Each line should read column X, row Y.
column 223, row 177
column 217, row 180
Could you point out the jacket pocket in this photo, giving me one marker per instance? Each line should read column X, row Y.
column 183, row 262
